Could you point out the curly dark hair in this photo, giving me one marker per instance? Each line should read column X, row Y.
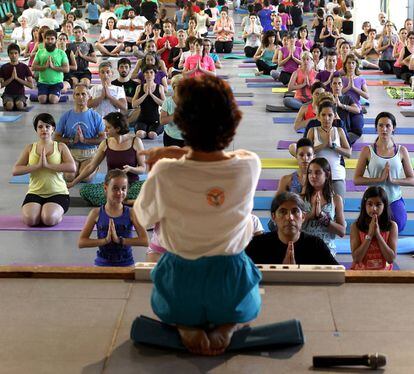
column 206, row 113
column 46, row 118
column 118, row 121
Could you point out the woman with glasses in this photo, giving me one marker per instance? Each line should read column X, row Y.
column 386, row 45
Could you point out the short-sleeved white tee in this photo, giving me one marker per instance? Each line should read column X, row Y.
column 106, row 106
column 115, row 34
column 204, row 208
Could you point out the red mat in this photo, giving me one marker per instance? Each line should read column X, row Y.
column 385, row 83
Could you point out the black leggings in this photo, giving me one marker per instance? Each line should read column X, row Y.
column 223, row 47
column 250, row 51
column 168, row 140
column 386, row 66
column 264, row 67
column 285, row 77
column 407, row 75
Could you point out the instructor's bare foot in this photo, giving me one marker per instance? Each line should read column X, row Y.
column 220, row 337
column 195, row 340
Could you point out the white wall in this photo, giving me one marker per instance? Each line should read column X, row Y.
column 367, row 10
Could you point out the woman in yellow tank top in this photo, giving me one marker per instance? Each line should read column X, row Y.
column 46, row 161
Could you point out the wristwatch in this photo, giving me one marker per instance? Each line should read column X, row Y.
column 368, row 237
column 333, row 146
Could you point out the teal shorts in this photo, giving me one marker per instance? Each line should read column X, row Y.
column 208, row 291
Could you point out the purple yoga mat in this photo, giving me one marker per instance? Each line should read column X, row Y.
column 69, row 223
column 284, row 144
column 358, row 146
column 260, row 80
column 272, row 185
column 247, row 66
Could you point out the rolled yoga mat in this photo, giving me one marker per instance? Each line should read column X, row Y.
column 273, row 184
column 286, row 163
column 10, row 118
column 151, row 332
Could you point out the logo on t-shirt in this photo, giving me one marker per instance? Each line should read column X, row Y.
column 215, row 196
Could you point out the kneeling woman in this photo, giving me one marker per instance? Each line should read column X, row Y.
column 46, row 161
column 205, row 246
column 114, row 222
column 388, row 165
column 122, row 152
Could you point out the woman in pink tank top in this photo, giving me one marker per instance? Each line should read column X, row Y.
column 374, row 236
column 301, row 82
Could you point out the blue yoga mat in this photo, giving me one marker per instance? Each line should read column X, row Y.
column 11, row 118
column 343, row 246
column 263, row 84
column 99, row 178
column 351, row 205
column 291, row 120
column 244, row 102
column 398, row 130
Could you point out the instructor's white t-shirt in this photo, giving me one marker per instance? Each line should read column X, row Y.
column 204, row 208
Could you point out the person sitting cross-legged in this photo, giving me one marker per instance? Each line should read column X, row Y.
column 288, row 244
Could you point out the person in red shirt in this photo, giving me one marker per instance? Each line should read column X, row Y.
column 167, row 42
column 196, row 8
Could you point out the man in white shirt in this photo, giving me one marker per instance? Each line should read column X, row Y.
column 48, row 20
column 32, row 14
column 106, row 98
column 132, row 29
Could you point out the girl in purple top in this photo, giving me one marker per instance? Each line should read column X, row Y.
column 303, row 41
column 288, row 59
column 114, row 223
column 151, row 58
column 354, row 85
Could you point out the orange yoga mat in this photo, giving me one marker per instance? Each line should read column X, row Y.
column 385, row 83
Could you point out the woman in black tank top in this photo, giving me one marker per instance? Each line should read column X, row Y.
column 329, row 33
column 149, row 97
column 405, row 56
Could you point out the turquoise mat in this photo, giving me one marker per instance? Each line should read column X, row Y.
column 11, row 118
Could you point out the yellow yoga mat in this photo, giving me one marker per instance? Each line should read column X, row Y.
column 279, row 90
column 291, row 163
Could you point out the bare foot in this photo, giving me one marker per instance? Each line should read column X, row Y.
column 220, row 337
column 195, row 340
column 257, row 73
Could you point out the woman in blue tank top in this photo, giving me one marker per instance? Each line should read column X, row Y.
column 114, row 223
column 388, row 166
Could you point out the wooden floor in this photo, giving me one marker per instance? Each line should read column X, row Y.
column 82, row 326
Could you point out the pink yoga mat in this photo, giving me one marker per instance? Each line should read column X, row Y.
column 272, row 185
column 69, row 223
column 247, row 66
column 372, row 72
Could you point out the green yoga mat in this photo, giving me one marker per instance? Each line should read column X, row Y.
column 235, row 57
column 395, row 92
column 252, row 75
